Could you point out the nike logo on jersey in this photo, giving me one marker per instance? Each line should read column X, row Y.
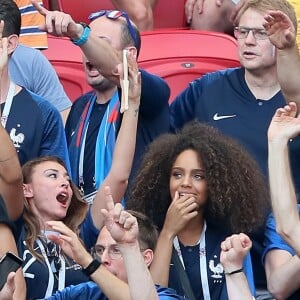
column 216, row 117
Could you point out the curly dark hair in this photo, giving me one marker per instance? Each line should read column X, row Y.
column 238, row 196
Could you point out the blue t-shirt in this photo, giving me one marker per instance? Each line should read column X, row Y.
column 91, row 291
column 36, row 128
column 273, row 241
column 29, row 68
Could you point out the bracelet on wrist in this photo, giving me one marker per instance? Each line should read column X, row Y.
column 234, row 272
column 84, row 37
column 92, row 267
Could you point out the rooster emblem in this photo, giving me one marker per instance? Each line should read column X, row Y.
column 217, row 270
column 16, row 138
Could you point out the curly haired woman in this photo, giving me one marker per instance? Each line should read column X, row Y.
column 199, row 187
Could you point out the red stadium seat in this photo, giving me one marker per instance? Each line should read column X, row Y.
column 180, row 56
column 46, row 4
column 81, row 9
column 165, row 15
column 169, row 14
column 66, row 59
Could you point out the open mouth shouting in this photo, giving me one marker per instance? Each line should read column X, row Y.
column 63, row 198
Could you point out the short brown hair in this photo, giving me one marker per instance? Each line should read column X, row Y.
column 148, row 232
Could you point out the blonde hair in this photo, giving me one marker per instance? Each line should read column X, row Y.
column 264, row 5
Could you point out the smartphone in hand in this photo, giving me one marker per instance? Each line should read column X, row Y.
column 8, row 263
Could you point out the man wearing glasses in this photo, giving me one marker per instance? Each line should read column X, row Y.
column 240, row 102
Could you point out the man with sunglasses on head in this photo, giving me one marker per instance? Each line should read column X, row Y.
column 123, row 252
column 240, row 102
column 94, row 117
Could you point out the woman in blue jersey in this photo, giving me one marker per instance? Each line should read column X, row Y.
column 199, row 187
column 50, row 195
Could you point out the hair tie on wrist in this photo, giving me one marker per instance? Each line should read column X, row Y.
column 234, row 272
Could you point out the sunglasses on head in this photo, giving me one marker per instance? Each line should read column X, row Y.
column 114, row 15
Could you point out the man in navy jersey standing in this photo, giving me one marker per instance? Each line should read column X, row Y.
column 240, row 102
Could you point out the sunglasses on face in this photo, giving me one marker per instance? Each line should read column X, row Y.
column 114, row 15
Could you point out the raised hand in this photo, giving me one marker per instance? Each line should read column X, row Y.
column 134, row 79
column 69, row 243
column 122, row 226
column 130, row 83
column 285, row 124
column 280, row 29
column 8, row 290
column 234, row 250
column 58, row 23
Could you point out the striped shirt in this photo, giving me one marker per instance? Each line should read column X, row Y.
column 31, row 19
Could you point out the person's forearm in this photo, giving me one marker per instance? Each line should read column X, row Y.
column 283, row 196
column 160, row 266
column 139, row 278
column 10, row 245
column 111, row 286
column 117, row 178
column 288, row 69
column 125, row 144
column 285, row 280
column 20, row 291
column 237, row 287
column 10, row 170
column 103, row 56
column 10, row 176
